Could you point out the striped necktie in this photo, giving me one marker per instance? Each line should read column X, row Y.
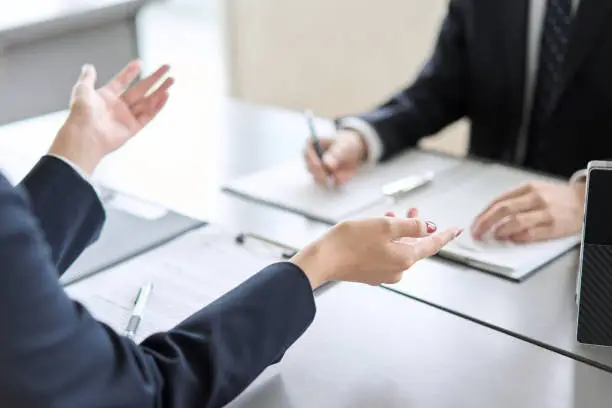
column 553, row 49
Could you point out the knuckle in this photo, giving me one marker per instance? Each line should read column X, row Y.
column 387, row 225
column 515, row 220
column 502, row 209
column 541, row 199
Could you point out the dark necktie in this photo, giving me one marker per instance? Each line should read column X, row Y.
column 553, row 48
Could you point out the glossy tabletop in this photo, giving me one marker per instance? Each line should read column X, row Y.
column 182, row 159
column 542, row 308
column 368, row 348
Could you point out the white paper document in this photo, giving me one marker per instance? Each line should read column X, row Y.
column 291, row 187
column 187, row 274
column 459, row 206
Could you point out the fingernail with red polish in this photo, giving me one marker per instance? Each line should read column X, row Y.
column 459, row 232
column 431, row 227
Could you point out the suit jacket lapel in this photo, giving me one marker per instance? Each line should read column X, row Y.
column 515, row 18
column 588, row 22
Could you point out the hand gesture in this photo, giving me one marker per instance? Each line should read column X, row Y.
column 372, row 251
column 104, row 119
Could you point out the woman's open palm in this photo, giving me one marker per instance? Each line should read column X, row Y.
column 113, row 114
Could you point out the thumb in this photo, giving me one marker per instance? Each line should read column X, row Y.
column 88, row 75
column 86, row 81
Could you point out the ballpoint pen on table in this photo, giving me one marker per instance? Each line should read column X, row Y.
column 139, row 305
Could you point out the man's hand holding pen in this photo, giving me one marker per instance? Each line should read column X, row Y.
column 342, row 156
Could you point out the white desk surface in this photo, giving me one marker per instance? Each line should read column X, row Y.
column 368, row 349
column 183, row 158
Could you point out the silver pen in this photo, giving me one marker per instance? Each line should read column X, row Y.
column 407, row 184
column 139, row 306
column 310, row 121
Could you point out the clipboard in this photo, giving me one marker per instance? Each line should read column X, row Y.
column 187, row 273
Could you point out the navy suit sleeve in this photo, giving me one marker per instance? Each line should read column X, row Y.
column 53, row 353
column 68, row 210
column 437, row 97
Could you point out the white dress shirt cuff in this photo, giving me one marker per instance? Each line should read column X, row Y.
column 369, row 135
column 578, row 177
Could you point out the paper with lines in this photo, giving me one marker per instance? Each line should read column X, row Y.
column 289, row 186
column 187, row 274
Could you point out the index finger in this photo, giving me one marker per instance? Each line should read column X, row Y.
column 514, row 193
column 315, row 166
column 121, row 81
column 501, row 210
column 142, row 87
column 431, row 245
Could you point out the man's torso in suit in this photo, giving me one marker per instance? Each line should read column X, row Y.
column 478, row 70
column 579, row 127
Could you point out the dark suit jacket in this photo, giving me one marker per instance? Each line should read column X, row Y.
column 478, row 70
column 53, row 353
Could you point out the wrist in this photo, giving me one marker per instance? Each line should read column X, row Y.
column 310, row 261
column 74, row 145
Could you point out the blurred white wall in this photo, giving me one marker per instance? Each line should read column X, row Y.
column 334, row 56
